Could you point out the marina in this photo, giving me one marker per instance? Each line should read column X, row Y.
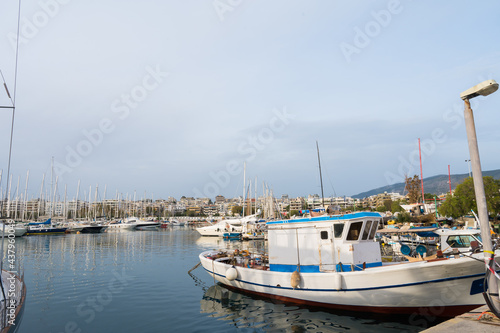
column 148, row 220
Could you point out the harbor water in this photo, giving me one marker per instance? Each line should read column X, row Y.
column 138, row 281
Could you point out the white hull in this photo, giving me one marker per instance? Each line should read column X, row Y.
column 218, row 230
column 443, row 286
column 18, row 230
column 121, row 226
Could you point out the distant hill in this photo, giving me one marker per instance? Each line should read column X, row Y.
column 435, row 185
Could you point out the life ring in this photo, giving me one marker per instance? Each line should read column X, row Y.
column 245, row 253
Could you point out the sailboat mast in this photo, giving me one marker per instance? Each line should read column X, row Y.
column 76, row 202
column 65, row 213
column 244, row 187
column 320, row 177
column 25, row 202
column 41, row 196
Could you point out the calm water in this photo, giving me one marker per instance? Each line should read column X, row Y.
column 138, row 281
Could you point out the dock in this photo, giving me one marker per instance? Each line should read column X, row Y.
column 477, row 320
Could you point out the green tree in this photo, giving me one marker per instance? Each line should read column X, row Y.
column 294, row 212
column 464, row 198
column 237, row 210
column 403, row 217
column 388, row 205
column 396, row 207
column 381, row 209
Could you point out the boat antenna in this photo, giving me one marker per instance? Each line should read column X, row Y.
column 320, row 177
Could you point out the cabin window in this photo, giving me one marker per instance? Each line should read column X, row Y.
column 337, row 230
column 460, row 241
column 324, row 234
column 374, row 229
column 366, row 231
column 354, row 231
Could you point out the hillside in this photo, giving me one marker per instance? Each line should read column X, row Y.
column 435, row 184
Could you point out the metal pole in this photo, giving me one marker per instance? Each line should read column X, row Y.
column 449, row 177
column 320, row 178
column 421, row 175
column 477, row 176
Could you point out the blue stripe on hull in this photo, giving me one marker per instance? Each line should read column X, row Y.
column 316, row 269
column 359, row 289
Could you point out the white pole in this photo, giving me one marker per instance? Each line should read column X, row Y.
column 479, row 191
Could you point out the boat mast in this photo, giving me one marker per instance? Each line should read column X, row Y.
column 65, row 213
column 41, row 196
column 76, row 203
column 17, row 197
column 244, row 188
column 320, row 177
column 25, row 202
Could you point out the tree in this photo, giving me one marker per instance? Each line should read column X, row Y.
column 464, row 198
column 294, row 212
column 395, row 207
column 237, row 210
column 388, row 205
column 413, row 187
column 403, row 217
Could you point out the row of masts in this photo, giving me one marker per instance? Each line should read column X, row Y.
column 49, row 197
column 269, row 208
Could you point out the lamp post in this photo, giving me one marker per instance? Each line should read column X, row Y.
column 484, row 88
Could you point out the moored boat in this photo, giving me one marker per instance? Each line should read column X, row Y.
column 335, row 262
column 141, row 224
column 119, row 225
column 12, row 228
column 45, row 228
column 12, row 299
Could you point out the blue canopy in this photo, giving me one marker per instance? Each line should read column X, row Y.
column 39, row 223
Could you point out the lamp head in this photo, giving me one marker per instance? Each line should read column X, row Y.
column 484, row 89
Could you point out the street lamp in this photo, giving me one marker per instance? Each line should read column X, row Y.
column 484, row 89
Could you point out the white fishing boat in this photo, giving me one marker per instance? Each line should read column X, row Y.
column 335, row 262
column 427, row 240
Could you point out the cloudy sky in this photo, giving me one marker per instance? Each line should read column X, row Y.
column 171, row 98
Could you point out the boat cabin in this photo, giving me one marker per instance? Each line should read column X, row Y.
column 337, row 243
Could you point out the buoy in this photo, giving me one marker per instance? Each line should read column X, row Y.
column 295, row 280
column 337, row 281
column 231, row 274
column 78, row 232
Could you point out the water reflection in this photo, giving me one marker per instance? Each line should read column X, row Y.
column 242, row 311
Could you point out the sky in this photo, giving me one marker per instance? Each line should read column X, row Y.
column 173, row 98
